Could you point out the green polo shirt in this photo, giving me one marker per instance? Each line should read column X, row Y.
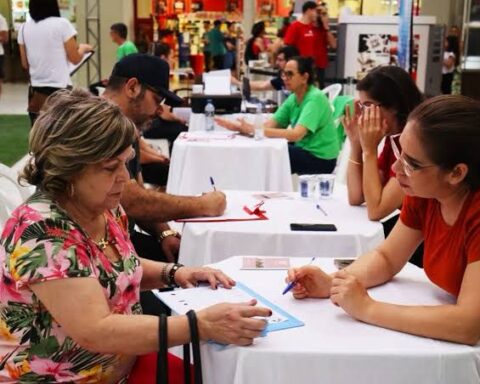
column 315, row 114
column 127, row 48
column 216, row 41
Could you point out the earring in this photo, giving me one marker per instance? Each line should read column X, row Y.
column 71, row 190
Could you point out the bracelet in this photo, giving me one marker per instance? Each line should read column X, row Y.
column 164, row 274
column 168, row 232
column 171, row 274
column 354, row 162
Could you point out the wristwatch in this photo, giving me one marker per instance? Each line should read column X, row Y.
column 168, row 232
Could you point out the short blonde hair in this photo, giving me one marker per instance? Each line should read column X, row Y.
column 74, row 129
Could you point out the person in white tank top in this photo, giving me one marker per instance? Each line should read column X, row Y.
column 47, row 45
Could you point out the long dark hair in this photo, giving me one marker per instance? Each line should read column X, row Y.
column 42, row 9
column 257, row 29
column 392, row 87
column 448, row 129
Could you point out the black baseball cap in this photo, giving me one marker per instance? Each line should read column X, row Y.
column 150, row 71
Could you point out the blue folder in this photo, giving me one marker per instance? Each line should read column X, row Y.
column 290, row 322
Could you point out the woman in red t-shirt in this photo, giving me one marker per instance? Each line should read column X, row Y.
column 438, row 169
column 387, row 95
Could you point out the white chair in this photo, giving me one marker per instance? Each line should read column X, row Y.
column 160, row 145
column 342, row 163
column 12, row 194
column 332, row 91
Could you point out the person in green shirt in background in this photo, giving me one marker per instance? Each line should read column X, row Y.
column 216, row 41
column 314, row 144
column 118, row 33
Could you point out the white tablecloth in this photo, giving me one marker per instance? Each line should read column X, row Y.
column 333, row 348
column 240, row 163
column 204, row 243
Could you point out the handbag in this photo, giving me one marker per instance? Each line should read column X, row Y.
column 165, row 368
column 36, row 100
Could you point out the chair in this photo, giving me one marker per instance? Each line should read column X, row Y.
column 161, row 145
column 342, row 163
column 12, row 194
column 332, row 91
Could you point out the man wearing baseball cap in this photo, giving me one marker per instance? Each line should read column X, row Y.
column 138, row 85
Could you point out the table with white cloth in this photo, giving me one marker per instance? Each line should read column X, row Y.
column 334, row 348
column 210, row 242
column 234, row 162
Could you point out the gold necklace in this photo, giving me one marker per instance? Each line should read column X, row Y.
column 104, row 242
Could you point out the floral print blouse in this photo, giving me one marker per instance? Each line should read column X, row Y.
column 40, row 242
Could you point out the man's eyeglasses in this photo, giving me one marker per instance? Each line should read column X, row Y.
column 407, row 167
column 158, row 98
column 287, row 74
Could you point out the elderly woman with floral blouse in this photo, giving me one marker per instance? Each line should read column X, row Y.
column 70, row 278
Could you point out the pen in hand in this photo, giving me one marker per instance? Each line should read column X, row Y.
column 292, row 283
column 212, row 183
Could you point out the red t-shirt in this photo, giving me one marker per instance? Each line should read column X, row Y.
column 385, row 162
column 448, row 249
column 310, row 41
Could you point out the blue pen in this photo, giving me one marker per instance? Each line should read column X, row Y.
column 292, row 283
column 213, row 183
column 322, row 210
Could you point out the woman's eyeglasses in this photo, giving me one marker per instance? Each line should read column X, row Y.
column 407, row 167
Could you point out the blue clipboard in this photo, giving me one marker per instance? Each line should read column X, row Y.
column 291, row 321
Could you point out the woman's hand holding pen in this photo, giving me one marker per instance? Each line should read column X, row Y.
column 311, row 281
column 349, row 294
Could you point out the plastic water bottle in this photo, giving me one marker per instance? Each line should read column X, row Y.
column 258, row 124
column 209, row 115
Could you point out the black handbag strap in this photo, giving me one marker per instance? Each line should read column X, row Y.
column 186, row 364
column 197, row 359
column 162, row 357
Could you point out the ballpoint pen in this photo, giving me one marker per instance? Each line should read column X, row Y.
column 322, row 210
column 213, row 183
column 292, row 283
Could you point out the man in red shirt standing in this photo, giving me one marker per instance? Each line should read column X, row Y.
column 311, row 36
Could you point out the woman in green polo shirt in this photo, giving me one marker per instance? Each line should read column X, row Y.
column 314, row 144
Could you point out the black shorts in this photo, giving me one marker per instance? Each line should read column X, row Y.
column 2, row 73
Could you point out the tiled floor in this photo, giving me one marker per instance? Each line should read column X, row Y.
column 14, row 99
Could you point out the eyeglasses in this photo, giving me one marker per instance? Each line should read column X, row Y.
column 287, row 74
column 407, row 167
column 158, row 98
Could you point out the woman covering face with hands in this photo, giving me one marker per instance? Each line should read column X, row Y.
column 386, row 96
column 438, row 169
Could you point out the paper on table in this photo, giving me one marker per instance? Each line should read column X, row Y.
column 182, row 300
column 256, row 262
column 206, row 136
column 271, row 195
column 234, row 212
